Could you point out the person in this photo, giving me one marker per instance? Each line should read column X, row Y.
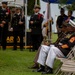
column 35, row 28
column 45, row 27
column 4, row 20
column 45, row 30
column 67, row 18
column 59, row 22
column 49, row 53
column 18, row 23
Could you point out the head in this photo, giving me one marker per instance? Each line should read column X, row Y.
column 4, row 4
column 70, row 13
column 36, row 8
column 13, row 10
column 62, row 11
column 18, row 10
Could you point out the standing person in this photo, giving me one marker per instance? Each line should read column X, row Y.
column 59, row 23
column 18, row 22
column 4, row 20
column 35, row 27
column 67, row 19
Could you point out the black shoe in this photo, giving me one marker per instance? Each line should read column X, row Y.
column 35, row 66
column 4, row 49
column 14, row 49
column 48, row 71
column 41, row 69
column 21, row 49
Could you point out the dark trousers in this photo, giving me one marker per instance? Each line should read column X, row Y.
column 16, row 34
column 36, row 40
column 3, row 38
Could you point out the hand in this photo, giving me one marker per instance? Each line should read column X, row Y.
column 3, row 22
column 31, row 22
column 20, row 22
column 2, row 25
column 30, row 30
column 11, row 29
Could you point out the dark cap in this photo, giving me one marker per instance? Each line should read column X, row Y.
column 4, row 2
column 37, row 6
column 62, row 9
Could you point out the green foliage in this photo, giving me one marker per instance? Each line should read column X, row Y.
column 31, row 4
column 67, row 6
column 62, row 1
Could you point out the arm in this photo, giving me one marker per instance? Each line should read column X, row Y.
column 70, row 43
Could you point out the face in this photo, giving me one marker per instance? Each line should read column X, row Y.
column 36, row 10
column 69, row 13
column 62, row 12
column 18, row 11
column 4, row 5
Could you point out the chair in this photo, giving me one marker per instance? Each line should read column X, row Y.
column 69, row 57
column 68, row 69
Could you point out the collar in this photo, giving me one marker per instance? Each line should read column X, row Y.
column 3, row 8
column 36, row 13
column 18, row 13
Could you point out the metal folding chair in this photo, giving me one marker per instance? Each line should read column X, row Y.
column 70, row 56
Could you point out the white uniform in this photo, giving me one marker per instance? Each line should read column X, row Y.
column 44, row 30
column 48, row 54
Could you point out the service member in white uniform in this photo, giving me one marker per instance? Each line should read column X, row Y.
column 49, row 53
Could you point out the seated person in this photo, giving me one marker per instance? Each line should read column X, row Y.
column 49, row 53
column 36, row 65
column 47, row 42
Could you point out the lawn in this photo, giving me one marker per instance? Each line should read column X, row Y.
column 17, row 62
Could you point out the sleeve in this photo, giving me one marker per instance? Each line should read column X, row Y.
column 58, row 19
column 23, row 20
column 12, row 21
column 8, row 14
column 70, row 43
column 31, row 19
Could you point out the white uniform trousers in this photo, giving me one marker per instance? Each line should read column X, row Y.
column 48, row 54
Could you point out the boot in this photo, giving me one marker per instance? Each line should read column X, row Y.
column 48, row 71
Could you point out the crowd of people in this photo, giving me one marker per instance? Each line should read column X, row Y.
column 17, row 21
column 47, row 51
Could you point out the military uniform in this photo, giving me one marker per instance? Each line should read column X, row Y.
column 36, row 31
column 4, row 16
column 49, row 53
column 18, row 29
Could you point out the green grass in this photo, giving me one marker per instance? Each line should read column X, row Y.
column 17, row 62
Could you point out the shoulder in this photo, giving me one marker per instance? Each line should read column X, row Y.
column 0, row 8
column 40, row 14
column 73, row 17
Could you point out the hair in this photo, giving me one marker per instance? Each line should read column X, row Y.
column 70, row 11
column 62, row 10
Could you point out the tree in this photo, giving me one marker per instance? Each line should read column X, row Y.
column 68, row 6
column 31, row 4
